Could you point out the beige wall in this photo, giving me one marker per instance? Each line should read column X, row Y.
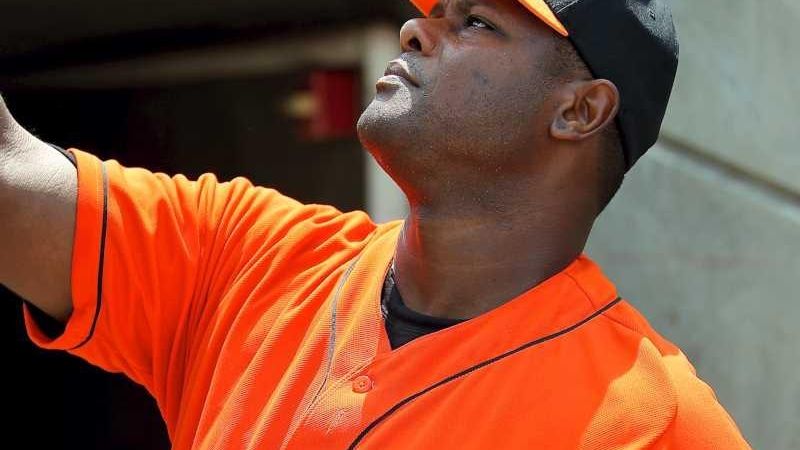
column 705, row 236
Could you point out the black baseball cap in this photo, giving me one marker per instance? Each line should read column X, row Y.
column 632, row 43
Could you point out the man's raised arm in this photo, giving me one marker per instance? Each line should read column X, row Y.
column 38, row 189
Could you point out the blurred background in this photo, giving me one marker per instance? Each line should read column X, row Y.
column 704, row 237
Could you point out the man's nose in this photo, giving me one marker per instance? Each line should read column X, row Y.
column 417, row 36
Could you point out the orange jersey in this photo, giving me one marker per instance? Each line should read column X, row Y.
column 255, row 322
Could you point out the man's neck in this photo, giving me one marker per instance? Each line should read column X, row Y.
column 460, row 265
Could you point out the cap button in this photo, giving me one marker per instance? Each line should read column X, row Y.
column 362, row 384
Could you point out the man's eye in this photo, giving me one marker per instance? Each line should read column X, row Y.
column 477, row 22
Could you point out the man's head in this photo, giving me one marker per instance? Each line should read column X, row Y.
column 492, row 100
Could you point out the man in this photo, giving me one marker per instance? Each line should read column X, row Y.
column 260, row 323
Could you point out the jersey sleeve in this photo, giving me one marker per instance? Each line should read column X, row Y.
column 700, row 421
column 154, row 255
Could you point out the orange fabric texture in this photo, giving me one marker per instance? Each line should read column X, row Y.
column 255, row 322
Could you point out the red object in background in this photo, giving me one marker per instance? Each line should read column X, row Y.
column 335, row 104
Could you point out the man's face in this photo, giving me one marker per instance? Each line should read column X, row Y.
column 467, row 97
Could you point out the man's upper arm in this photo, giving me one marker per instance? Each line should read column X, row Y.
column 38, row 188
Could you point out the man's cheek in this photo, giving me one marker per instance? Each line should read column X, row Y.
column 455, row 93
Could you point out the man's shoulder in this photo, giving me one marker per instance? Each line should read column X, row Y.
column 626, row 316
column 652, row 349
column 664, row 381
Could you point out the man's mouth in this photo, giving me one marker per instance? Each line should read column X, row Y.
column 399, row 68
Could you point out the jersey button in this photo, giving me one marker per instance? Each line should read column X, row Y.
column 362, row 384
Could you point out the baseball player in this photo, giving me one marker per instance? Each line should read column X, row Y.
column 258, row 322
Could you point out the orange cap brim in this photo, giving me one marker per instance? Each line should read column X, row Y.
column 538, row 7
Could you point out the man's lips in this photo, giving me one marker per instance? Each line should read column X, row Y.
column 399, row 68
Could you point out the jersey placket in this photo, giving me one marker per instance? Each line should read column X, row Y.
column 336, row 414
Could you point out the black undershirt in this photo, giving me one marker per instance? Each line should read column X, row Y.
column 402, row 324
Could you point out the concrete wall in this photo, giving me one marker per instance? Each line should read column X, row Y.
column 705, row 235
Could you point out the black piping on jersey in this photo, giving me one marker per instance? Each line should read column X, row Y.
column 332, row 340
column 469, row 370
column 100, row 261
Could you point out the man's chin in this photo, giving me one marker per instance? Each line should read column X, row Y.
column 376, row 124
column 369, row 129
column 390, row 119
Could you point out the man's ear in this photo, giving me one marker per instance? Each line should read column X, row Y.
column 585, row 108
